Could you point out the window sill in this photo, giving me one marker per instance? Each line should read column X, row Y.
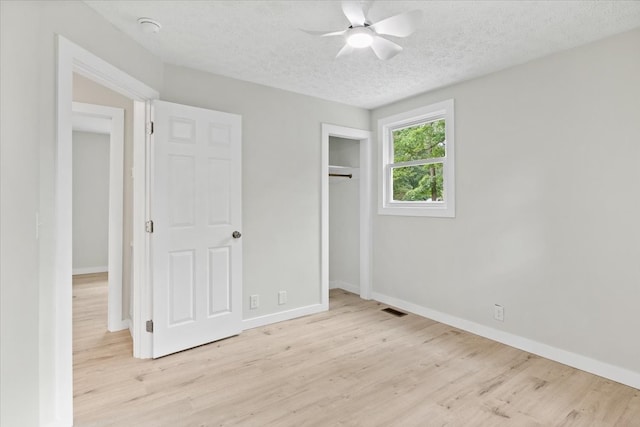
column 428, row 211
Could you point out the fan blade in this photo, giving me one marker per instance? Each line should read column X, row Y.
column 324, row 33
column 385, row 49
column 346, row 50
column 354, row 12
column 399, row 25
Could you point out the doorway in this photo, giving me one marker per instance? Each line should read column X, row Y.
column 74, row 59
column 98, row 155
column 352, row 148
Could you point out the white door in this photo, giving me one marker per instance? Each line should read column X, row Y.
column 196, row 261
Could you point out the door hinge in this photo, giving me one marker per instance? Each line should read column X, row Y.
column 149, row 226
column 150, row 326
column 150, row 128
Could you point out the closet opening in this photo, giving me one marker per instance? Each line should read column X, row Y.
column 346, row 211
column 344, row 214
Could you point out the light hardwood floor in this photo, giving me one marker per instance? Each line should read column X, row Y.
column 352, row 366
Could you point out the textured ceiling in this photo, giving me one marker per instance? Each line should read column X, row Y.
column 261, row 41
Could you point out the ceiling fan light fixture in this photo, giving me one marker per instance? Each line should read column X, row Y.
column 359, row 37
column 363, row 33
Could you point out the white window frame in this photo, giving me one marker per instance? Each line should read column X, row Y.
column 386, row 127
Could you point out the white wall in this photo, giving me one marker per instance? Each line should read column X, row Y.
column 344, row 217
column 90, row 202
column 87, row 91
column 28, row 133
column 281, row 137
column 19, row 297
column 547, row 206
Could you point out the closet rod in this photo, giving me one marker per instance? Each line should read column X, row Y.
column 346, row 175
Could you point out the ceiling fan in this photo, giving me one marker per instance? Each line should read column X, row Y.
column 362, row 33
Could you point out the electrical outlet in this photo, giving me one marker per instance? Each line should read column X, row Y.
column 254, row 302
column 282, row 297
column 498, row 312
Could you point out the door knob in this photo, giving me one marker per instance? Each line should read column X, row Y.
column 236, row 235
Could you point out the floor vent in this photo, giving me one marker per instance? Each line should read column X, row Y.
column 394, row 312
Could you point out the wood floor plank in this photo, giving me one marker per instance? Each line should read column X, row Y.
column 351, row 366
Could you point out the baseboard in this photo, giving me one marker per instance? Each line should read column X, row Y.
column 90, row 270
column 119, row 326
column 349, row 287
column 596, row 367
column 268, row 319
column 58, row 423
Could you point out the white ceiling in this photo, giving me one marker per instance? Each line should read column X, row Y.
column 261, row 41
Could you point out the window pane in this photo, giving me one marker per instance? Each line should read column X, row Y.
column 424, row 141
column 422, row 183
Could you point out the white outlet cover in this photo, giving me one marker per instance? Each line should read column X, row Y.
column 254, row 301
column 282, row 297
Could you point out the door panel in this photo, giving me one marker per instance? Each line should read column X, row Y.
column 181, row 288
column 195, row 206
column 218, row 205
column 182, row 185
column 219, row 283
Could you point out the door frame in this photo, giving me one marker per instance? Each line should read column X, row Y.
column 72, row 58
column 365, row 139
column 109, row 121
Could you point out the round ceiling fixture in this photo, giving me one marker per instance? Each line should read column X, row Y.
column 359, row 37
column 149, row 26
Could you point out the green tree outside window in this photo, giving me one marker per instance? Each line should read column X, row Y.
column 423, row 182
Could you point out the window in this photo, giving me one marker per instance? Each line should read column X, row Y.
column 417, row 174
